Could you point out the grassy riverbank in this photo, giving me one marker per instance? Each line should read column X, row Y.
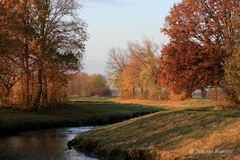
column 188, row 133
column 78, row 112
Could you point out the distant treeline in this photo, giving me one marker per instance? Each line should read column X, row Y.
column 85, row 85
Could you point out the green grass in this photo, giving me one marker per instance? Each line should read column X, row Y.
column 74, row 114
column 169, row 135
column 90, row 99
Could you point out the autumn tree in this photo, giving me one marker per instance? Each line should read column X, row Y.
column 137, row 76
column 144, row 57
column 117, row 61
column 9, row 75
column 232, row 75
column 51, row 41
column 178, row 72
column 79, row 85
column 10, row 70
column 98, row 85
column 232, row 66
column 198, row 31
column 84, row 85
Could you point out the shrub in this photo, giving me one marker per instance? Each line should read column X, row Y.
column 232, row 75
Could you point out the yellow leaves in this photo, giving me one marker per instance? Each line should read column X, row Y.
column 36, row 47
column 232, row 74
column 138, row 73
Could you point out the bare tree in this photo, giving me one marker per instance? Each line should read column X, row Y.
column 117, row 61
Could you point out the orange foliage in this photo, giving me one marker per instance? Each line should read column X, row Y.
column 198, row 31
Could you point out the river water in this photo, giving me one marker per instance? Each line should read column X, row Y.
column 48, row 144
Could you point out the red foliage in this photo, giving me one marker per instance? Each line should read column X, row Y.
column 199, row 30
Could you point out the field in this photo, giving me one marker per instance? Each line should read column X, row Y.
column 78, row 112
column 199, row 132
column 176, row 104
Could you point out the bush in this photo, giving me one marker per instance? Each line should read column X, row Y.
column 232, row 75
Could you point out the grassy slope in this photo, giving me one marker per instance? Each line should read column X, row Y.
column 175, row 104
column 81, row 112
column 170, row 134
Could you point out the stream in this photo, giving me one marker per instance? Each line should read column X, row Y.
column 50, row 144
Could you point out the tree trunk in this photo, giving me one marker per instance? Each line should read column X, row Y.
column 6, row 100
column 45, row 93
column 203, row 93
column 51, row 93
column 27, row 90
column 133, row 92
column 27, row 76
column 8, row 92
column 39, row 89
column 188, row 94
column 142, row 93
column 216, row 93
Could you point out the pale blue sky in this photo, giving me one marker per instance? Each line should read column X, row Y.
column 114, row 22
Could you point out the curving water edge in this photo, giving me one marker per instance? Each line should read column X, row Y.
column 50, row 144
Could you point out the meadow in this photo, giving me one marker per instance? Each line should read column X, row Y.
column 77, row 112
column 205, row 131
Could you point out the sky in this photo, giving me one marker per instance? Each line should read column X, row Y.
column 112, row 23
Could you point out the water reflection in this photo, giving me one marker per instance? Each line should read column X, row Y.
column 43, row 145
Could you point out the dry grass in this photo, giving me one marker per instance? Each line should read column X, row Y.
column 174, row 104
column 197, row 133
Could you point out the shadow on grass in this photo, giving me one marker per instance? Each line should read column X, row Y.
column 70, row 115
column 165, row 131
